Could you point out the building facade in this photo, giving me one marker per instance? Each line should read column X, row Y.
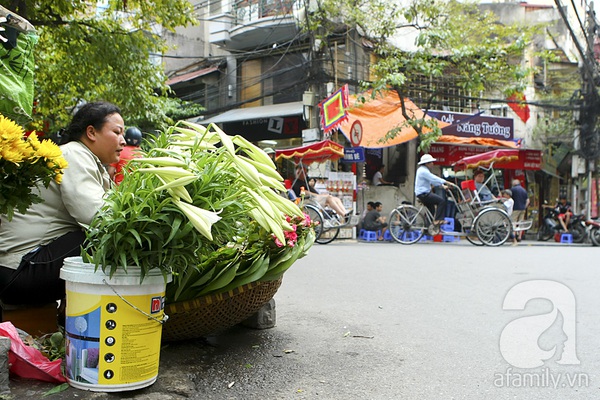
column 260, row 73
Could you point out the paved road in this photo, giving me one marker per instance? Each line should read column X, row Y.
column 386, row 321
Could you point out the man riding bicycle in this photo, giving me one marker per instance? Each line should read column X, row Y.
column 424, row 181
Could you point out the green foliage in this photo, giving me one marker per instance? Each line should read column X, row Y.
column 452, row 40
column 561, row 89
column 57, row 389
column 554, row 129
column 86, row 54
column 52, row 345
column 177, row 109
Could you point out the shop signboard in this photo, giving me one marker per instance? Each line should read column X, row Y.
column 273, row 128
column 475, row 125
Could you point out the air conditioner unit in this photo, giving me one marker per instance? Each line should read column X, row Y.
column 310, row 135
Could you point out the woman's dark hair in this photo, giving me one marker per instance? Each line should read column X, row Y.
column 93, row 114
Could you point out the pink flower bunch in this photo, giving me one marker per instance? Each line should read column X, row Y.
column 300, row 226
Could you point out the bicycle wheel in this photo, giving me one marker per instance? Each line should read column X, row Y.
column 316, row 217
column 331, row 227
column 472, row 237
column 406, row 224
column 328, row 235
column 492, row 226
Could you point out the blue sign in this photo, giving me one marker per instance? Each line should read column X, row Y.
column 354, row 154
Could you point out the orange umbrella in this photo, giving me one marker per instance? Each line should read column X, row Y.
column 377, row 117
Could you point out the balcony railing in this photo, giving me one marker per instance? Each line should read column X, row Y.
column 248, row 11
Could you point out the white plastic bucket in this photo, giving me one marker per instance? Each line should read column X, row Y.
column 113, row 327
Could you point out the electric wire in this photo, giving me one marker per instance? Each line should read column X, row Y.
column 342, row 75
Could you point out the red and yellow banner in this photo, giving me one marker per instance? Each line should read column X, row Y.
column 333, row 109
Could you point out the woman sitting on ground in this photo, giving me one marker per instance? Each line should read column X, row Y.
column 33, row 245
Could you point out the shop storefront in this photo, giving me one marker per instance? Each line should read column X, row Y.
column 448, row 154
column 282, row 123
column 527, row 169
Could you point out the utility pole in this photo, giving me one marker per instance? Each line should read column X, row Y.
column 589, row 140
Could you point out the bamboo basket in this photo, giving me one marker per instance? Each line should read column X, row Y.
column 210, row 314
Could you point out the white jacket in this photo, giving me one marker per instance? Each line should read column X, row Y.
column 66, row 207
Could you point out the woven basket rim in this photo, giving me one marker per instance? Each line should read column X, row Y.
column 209, row 314
column 186, row 305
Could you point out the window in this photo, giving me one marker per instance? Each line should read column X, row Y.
column 499, row 110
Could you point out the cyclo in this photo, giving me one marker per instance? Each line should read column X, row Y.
column 327, row 223
column 481, row 222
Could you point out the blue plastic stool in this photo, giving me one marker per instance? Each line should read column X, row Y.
column 412, row 235
column 448, row 224
column 566, row 238
column 369, row 236
column 450, row 238
column 387, row 236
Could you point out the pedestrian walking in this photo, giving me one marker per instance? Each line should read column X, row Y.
column 521, row 199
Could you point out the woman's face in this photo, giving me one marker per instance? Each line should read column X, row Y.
column 108, row 141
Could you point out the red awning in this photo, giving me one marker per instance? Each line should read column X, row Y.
column 476, row 141
column 315, row 152
column 449, row 154
column 502, row 158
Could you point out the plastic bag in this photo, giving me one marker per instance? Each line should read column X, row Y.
column 28, row 362
column 16, row 68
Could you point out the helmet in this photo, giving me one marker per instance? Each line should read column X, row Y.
column 133, row 136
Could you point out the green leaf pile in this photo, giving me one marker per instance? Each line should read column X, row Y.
column 203, row 206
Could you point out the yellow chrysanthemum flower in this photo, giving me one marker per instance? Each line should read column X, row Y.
column 23, row 147
column 9, row 154
column 46, row 149
column 36, row 162
column 9, row 130
column 61, row 162
column 33, row 141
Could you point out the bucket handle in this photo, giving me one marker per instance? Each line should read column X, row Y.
column 160, row 321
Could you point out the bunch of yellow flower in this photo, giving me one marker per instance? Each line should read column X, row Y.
column 25, row 163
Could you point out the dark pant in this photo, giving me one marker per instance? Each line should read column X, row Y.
column 431, row 200
column 37, row 280
column 376, row 226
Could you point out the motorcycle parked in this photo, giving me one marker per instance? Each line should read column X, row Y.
column 593, row 231
column 551, row 226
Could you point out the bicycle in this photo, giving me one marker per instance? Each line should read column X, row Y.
column 481, row 224
column 328, row 222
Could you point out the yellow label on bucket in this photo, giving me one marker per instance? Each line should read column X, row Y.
column 111, row 341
